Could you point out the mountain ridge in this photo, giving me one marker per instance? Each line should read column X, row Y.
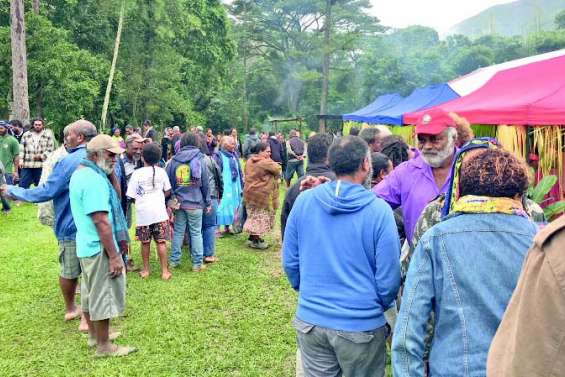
column 519, row 18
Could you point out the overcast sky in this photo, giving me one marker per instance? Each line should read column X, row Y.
column 439, row 14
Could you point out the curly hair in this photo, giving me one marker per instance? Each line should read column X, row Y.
column 464, row 131
column 395, row 148
column 494, row 173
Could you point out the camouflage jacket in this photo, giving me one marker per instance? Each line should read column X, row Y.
column 431, row 215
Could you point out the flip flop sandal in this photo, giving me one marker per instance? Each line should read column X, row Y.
column 213, row 259
column 112, row 336
column 119, row 352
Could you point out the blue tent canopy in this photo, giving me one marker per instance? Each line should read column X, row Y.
column 420, row 99
column 380, row 104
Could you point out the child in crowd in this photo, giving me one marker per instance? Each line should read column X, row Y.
column 148, row 187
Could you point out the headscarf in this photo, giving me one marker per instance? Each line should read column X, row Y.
column 453, row 193
column 232, row 158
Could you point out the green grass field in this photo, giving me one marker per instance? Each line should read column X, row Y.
column 231, row 320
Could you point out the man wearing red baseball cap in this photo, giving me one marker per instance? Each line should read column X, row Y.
column 414, row 183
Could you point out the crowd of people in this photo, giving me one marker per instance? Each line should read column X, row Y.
column 436, row 249
column 182, row 189
column 428, row 248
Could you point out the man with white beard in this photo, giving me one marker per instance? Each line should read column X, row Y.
column 101, row 227
column 414, row 183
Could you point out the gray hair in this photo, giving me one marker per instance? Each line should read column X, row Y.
column 227, row 139
column 134, row 138
column 370, row 134
column 84, row 128
column 383, row 130
column 67, row 129
column 451, row 132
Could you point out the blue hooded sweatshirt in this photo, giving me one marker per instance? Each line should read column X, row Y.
column 189, row 178
column 341, row 253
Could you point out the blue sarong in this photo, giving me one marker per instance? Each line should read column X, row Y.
column 232, row 198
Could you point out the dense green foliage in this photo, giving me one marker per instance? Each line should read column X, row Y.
column 189, row 62
column 172, row 61
column 278, row 66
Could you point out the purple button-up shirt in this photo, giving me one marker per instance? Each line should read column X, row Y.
column 411, row 186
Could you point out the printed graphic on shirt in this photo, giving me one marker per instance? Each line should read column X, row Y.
column 183, row 175
column 140, row 191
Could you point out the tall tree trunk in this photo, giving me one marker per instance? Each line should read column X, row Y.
column 19, row 61
column 36, row 6
column 245, row 95
column 112, row 68
column 326, row 63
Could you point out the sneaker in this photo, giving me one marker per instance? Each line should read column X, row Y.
column 260, row 245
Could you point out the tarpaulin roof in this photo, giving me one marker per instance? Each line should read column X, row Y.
column 532, row 94
column 381, row 103
column 421, row 98
column 467, row 84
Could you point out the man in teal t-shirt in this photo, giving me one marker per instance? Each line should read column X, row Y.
column 103, row 288
column 89, row 194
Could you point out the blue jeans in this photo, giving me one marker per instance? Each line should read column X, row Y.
column 5, row 204
column 209, row 227
column 292, row 167
column 191, row 220
column 30, row 176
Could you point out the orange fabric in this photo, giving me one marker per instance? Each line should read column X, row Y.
column 262, row 182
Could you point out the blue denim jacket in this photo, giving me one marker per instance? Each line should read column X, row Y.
column 56, row 188
column 464, row 270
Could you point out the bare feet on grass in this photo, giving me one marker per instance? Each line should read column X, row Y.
column 83, row 327
column 73, row 314
column 166, row 275
column 144, row 274
column 113, row 335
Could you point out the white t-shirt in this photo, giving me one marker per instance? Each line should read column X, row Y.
column 149, row 199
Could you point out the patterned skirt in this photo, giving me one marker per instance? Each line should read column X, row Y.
column 259, row 221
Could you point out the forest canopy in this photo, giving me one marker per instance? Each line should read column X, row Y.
column 201, row 62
